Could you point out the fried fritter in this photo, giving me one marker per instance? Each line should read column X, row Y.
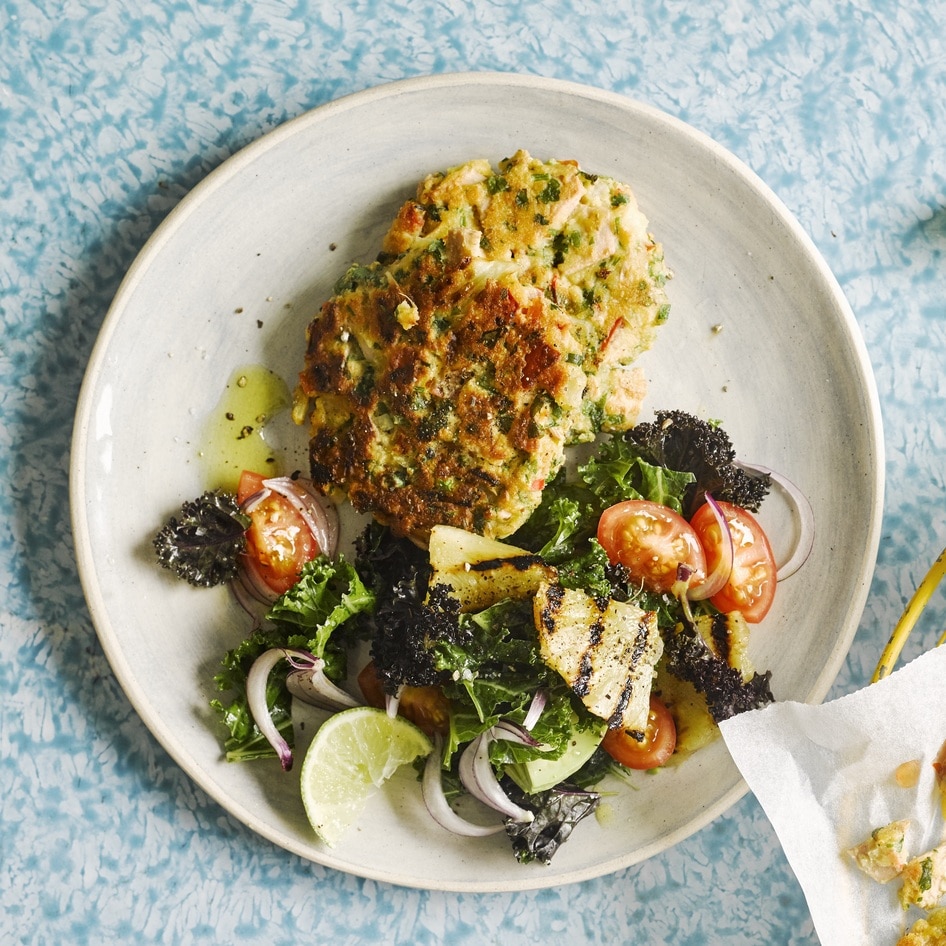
column 499, row 323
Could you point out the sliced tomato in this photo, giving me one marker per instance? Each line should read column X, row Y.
column 751, row 586
column 651, row 541
column 278, row 541
column 426, row 707
column 651, row 752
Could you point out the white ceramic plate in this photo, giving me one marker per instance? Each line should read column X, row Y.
column 233, row 276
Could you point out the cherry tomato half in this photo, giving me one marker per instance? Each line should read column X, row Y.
column 751, row 586
column 653, row 751
column 651, row 541
column 278, row 540
column 426, row 707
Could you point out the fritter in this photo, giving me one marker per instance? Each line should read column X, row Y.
column 499, row 323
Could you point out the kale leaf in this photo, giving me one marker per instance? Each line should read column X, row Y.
column 492, row 671
column 245, row 742
column 562, row 529
column 327, row 594
column 621, row 470
column 204, row 544
column 404, row 625
column 683, row 442
column 314, row 615
column 557, row 812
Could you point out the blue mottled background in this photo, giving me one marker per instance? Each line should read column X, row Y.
column 110, row 111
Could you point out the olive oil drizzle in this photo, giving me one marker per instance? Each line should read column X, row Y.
column 235, row 433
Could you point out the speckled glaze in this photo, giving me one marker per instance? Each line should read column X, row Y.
column 110, row 113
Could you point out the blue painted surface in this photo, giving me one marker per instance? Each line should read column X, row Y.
column 110, row 112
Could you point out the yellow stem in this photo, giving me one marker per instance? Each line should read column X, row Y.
column 909, row 617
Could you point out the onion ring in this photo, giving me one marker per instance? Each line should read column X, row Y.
column 801, row 512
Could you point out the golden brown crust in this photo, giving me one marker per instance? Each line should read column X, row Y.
column 446, row 378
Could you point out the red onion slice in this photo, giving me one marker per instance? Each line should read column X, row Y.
column 802, row 514
column 252, row 585
column 392, row 703
column 438, row 806
column 513, row 732
column 717, row 579
column 479, row 779
column 329, row 510
column 536, row 708
column 247, row 598
column 256, row 681
column 320, row 516
column 307, row 681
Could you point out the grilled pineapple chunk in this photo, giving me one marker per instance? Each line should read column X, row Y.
column 481, row 571
column 727, row 636
column 605, row 650
column 691, row 716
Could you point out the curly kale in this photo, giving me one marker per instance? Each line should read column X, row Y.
column 557, row 811
column 203, row 545
column 682, row 442
column 245, row 742
column 727, row 693
column 405, row 624
column 316, row 615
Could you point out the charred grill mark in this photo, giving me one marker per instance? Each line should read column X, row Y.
column 519, row 562
column 586, row 666
column 617, row 717
column 722, row 645
column 554, row 597
column 582, row 683
column 641, row 639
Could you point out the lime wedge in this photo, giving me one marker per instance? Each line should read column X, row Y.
column 354, row 753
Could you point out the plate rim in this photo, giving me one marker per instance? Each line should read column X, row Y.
column 231, row 167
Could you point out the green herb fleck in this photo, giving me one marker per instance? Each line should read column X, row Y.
column 359, row 276
column 438, row 251
column 551, row 192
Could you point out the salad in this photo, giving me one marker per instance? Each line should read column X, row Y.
column 606, row 636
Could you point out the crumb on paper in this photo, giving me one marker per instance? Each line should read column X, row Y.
column 881, row 855
column 924, row 880
column 907, row 774
column 927, row 931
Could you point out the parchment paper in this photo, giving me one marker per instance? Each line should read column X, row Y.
column 824, row 775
